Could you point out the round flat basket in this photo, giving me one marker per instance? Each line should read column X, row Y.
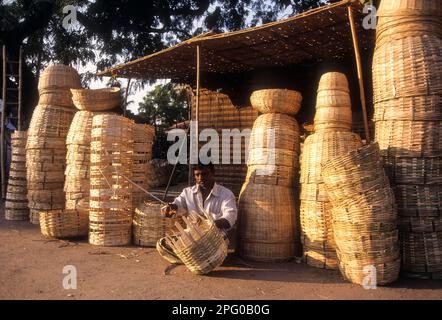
column 96, row 99
column 276, row 100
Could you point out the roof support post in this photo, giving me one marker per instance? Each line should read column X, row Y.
column 125, row 97
column 360, row 74
column 197, row 111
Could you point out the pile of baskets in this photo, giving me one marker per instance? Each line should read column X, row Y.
column 143, row 142
column 267, row 219
column 78, row 142
column 46, row 143
column 407, row 86
column 332, row 138
column 364, row 217
column 110, row 203
column 16, row 204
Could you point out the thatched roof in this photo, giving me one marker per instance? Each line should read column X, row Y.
column 315, row 35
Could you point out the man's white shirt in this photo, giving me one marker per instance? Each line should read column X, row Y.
column 220, row 203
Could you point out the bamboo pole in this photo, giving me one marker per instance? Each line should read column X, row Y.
column 360, row 74
column 2, row 134
column 198, row 70
column 126, row 94
column 20, row 89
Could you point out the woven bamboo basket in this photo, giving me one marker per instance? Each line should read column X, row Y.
column 313, row 192
column 59, row 76
column 364, row 215
column 409, row 7
column 409, row 138
column 279, row 157
column 50, row 121
column 34, row 216
column 266, row 222
column 96, row 99
column 110, row 202
column 276, row 100
column 418, row 108
column 272, row 175
column 64, row 223
column 16, row 204
column 317, row 234
column 412, row 170
column 56, row 97
column 333, row 119
column 419, row 200
column 421, row 252
column 335, row 81
column 200, row 245
column 80, row 129
column 143, row 142
column 333, row 98
column 320, row 147
column 407, row 67
column 394, row 28
column 149, row 225
column 275, row 130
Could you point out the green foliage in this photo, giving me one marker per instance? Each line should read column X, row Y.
column 164, row 106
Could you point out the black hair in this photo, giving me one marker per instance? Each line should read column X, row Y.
column 201, row 166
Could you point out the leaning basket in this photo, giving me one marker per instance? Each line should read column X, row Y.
column 201, row 246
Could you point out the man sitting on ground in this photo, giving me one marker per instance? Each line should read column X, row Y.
column 206, row 195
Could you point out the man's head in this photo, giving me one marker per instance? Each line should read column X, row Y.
column 204, row 175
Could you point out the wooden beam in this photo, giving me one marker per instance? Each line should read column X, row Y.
column 2, row 134
column 360, row 74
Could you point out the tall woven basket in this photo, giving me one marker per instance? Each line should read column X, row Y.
column 110, row 213
column 45, row 158
column 16, row 204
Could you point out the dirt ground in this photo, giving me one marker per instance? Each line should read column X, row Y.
column 31, row 267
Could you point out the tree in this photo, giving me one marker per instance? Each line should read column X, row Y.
column 164, row 106
column 112, row 31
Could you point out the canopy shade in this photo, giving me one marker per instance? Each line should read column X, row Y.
column 315, row 35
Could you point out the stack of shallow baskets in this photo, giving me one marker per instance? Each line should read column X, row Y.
column 267, row 218
column 16, row 204
column 46, row 143
column 143, row 142
column 407, row 86
column 110, row 203
column 332, row 138
column 364, row 217
column 78, row 142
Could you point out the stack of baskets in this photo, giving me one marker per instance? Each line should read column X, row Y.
column 16, row 204
column 143, row 142
column 407, row 85
column 331, row 139
column 149, row 225
column 78, row 143
column 110, row 203
column 46, row 143
column 364, row 217
column 267, row 219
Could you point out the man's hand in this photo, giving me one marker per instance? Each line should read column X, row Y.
column 222, row 224
column 169, row 210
